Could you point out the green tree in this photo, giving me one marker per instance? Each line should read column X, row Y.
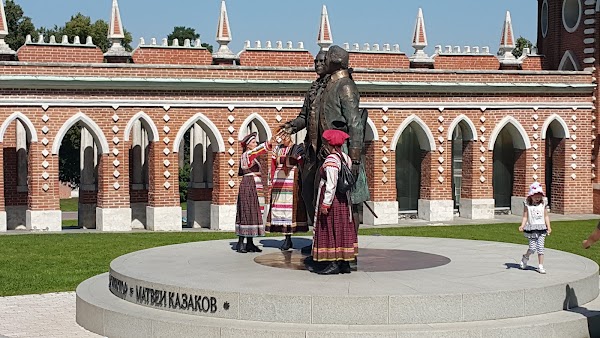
column 82, row 26
column 520, row 45
column 181, row 33
column 68, row 156
column 185, row 170
column 19, row 26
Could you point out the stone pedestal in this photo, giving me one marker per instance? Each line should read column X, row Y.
column 516, row 205
column 198, row 214
column 436, row 210
column 163, row 218
column 222, row 217
column 138, row 215
column 44, row 220
column 3, row 226
column 477, row 208
column 86, row 215
column 113, row 219
column 16, row 217
column 387, row 213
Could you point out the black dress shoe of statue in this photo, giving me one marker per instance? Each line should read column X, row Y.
column 345, row 267
column 253, row 248
column 287, row 244
column 332, row 269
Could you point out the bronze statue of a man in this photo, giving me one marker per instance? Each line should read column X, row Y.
column 312, row 143
column 332, row 103
column 339, row 109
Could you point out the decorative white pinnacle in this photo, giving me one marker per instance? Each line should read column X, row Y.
column 4, row 48
column 223, row 37
column 116, row 34
column 419, row 40
column 116, row 27
column 325, row 38
column 507, row 41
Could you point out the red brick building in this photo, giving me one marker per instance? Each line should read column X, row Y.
column 462, row 131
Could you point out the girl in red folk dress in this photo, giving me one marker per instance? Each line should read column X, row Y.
column 335, row 238
column 251, row 200
column 286, row 213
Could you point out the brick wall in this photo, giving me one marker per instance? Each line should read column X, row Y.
column 480, row 62
column 58, row 53
column 378, row 60
column 171, row 56
column 558, row 40
column 276, row 58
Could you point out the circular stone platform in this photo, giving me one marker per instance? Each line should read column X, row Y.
column 401, row 280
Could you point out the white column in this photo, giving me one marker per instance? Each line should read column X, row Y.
column 136, row 156
column 144, row 153
column 198, row 211
column 88, row 161
column 197, row 154
column 21, row 157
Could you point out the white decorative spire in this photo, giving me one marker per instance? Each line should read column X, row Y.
column 116, row 33
column 325, row 38
column 419, row 40
column 4, row 48
column 507, row 41
column 223, row 35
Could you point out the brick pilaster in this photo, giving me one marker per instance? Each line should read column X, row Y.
column 43, row 194
column 158, row 193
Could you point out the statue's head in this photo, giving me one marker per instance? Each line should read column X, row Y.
column 336, row 58
column 320, row 68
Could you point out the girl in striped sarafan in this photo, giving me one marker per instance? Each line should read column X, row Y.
column 287, row 213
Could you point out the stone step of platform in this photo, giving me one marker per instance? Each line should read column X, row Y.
column 401, row 280
column 99, row 311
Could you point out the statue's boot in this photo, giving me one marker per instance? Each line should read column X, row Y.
column 287, row 243
column 241, row 248
column 250, row 247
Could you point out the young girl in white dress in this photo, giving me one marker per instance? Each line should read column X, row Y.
column 535, row 225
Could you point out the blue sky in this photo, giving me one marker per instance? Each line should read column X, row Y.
column 457, row 22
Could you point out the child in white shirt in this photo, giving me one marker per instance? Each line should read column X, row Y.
column 535, row 225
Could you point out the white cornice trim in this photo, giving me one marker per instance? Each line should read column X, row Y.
column 91, row 83
column 565, row 105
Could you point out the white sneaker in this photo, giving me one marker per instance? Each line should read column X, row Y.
column 541, row 269
column 523, row 263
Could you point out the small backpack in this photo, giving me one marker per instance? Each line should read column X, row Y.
column 346, row 179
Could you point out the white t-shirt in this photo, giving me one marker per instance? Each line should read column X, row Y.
column 536, row 216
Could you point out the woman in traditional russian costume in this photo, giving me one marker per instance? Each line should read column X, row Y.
column 335, row 238
column 287, row 214
column 251, row 199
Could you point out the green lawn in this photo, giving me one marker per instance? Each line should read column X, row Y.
column 71, row 204
column 41, row 263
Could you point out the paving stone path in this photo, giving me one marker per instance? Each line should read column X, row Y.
column 47, row 315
